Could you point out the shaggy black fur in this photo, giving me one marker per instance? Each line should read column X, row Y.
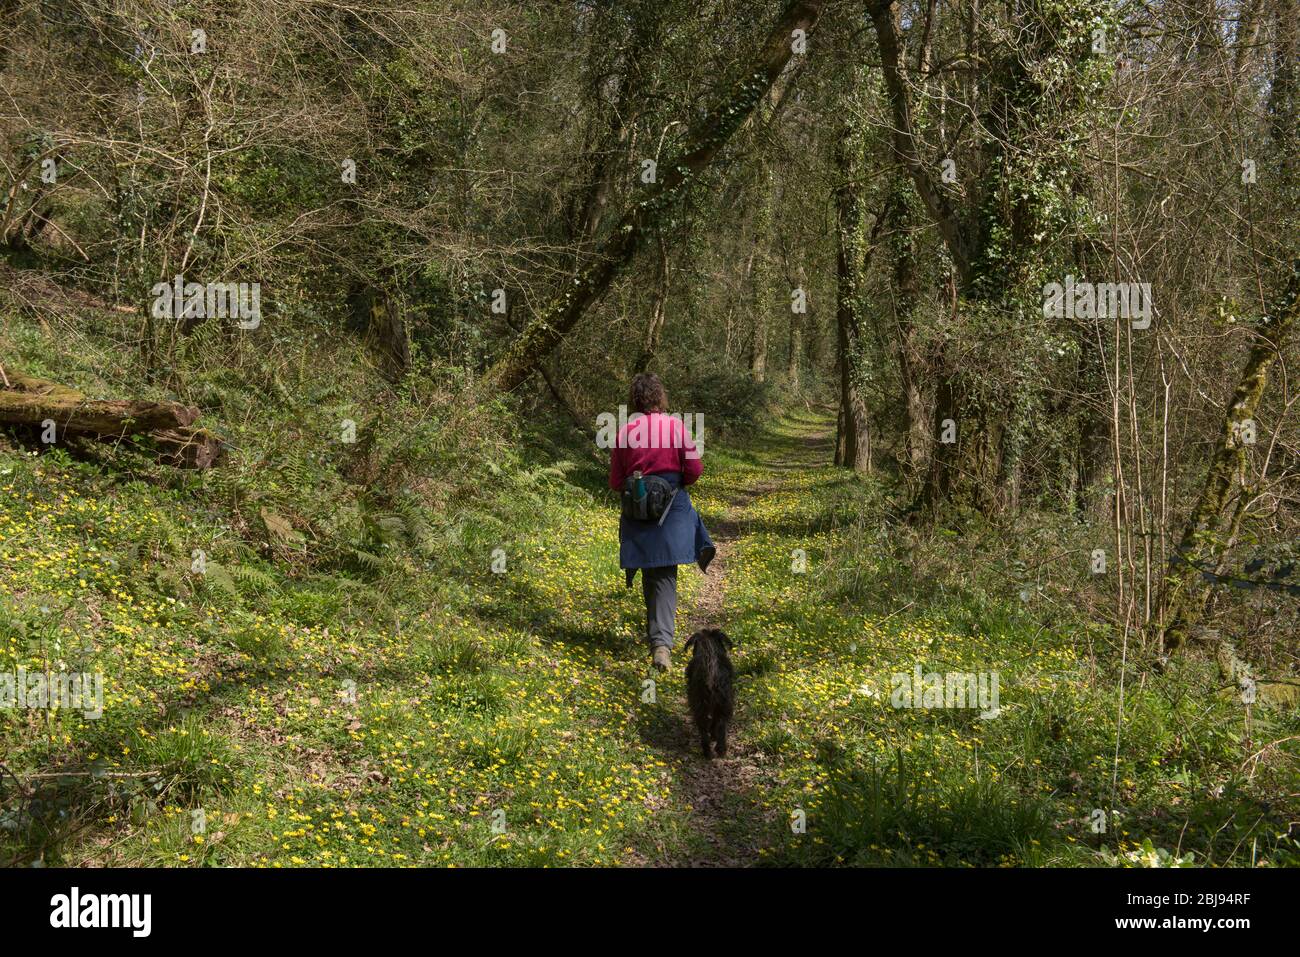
column 709, row 688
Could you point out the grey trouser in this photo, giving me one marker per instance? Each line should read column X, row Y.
column 659, row 585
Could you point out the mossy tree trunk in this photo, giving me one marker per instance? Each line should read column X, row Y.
column 675, row 178
column 853, row 446
column 1185, row 590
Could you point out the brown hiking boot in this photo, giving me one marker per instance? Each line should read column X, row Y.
column 662, row 658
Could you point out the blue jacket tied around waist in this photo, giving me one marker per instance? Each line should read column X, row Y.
column 681, row 539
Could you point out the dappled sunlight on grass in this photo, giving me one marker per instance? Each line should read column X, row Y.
column 455, row 716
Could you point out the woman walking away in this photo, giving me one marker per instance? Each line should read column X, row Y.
column 653, row 461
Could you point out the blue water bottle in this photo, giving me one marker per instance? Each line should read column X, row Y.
column 638, row 493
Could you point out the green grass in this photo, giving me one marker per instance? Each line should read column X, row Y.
column 428, row 712
column 884, row 785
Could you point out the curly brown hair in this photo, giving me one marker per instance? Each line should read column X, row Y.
column 648, row 394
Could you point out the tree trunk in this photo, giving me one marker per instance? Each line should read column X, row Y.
column 795, row 358
column 796, row 351
column 907, row 295
column 1185, row 592
column 378, row 315
column 758, row 348
column 704, row 141
column 656, row 327
column 762, row 286
column 839, row 429
column 943, row 460
column 855, row 431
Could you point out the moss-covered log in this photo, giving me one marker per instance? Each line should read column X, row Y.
column 32, row 401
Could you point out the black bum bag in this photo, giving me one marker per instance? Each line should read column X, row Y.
column 654, row 505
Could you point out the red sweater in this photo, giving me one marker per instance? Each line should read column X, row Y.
column 675, row 452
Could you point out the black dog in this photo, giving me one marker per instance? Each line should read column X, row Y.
column 709, row 688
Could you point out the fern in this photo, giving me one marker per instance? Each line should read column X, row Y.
column 216, row 577
column 417, row 528
column 360, row 592
column 252, row 579
column 367, row 560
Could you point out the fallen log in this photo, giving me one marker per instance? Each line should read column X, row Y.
column 28, row 400
column 31, row 401
column 188, row 448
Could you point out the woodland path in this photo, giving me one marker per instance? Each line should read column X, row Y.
column 727, row 830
